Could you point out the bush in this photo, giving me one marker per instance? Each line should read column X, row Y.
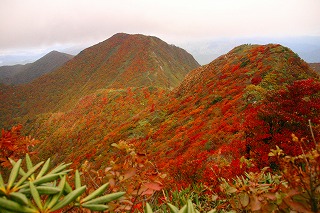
column 295, row 186
column 48, row 191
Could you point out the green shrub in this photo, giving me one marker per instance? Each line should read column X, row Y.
column 40, row 190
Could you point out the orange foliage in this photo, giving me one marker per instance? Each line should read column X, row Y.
column 193, row 133
column 13, row 145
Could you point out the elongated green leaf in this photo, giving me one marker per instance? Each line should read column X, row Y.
column 77, row 179
column 14, row 173
column 184, row 209
column 21, row 171
column 95, row 207
column 106, row 198
column 173, row 208
column 69, row 198
column 190, row 207
column 96, row 193
column 67, row 188
column 48, row 178
column 19, row 197
column 59, row 168
column 48, row 200
column 35, row 195
column 28, row 161
column 14, row 206
column 29, row 173
column 1, row 182
column 148, row 208
column 45, row 179
column 44, row 169
column 48, row 190
column 56, row 197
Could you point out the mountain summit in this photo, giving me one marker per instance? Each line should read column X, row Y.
column 21, row 74
column 136, row 60
column 119, row 62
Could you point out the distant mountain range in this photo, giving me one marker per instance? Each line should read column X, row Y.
column 203, row 50
column 21, row 74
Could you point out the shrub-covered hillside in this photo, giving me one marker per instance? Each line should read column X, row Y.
column 119, row 62
column 241, row 104
column 242, row 128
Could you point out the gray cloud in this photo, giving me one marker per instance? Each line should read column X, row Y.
column 43, row 24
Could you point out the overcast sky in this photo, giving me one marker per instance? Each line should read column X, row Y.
column 34, row 26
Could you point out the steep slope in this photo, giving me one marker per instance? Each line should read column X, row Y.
column 9, row 105
column 8, row 72
column 202, row 124
column 119, row 62
column 21, row 74
column 95, row 116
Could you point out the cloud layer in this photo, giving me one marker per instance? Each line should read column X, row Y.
column 38, row 24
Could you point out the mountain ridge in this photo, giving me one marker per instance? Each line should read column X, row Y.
column 188, row 128
column 22, row 74
column 121, row 61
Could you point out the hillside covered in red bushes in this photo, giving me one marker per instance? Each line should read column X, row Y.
column 131, row 109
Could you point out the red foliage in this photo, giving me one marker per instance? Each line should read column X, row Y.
column 256, row 80
column 234, row 68
column 180, row 132
column 13, row 145
column 282, row 113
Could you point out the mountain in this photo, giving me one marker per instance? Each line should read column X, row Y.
column 21, row 74
column 8, row 72
column 193, row 133
column 204, row 51
column 119, row 62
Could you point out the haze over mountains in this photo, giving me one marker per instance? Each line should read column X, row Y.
column 204, row 50
column 21, row 74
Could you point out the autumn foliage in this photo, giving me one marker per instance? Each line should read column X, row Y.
column 14, row 145
column 220, row 122
column 241, row 104
column 289, row 110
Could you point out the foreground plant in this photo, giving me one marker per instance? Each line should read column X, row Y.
column 14, row 145
column 48, row 191
column 131, row 172
column 294, row 187
column 303, row 175
column 187, row 208
column 259, row 191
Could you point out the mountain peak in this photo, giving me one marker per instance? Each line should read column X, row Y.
column 246, row 62
column 119, row 62
column 134, row 60
column 26, row 73
column 54, row 52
